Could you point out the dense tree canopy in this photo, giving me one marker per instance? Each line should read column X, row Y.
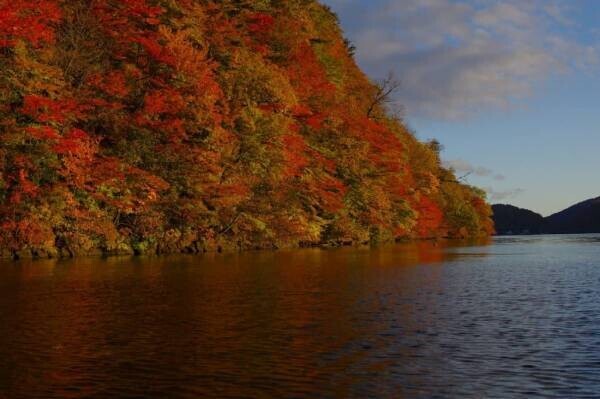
column 184, row 125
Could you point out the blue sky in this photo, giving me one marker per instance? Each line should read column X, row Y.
column 509, row 87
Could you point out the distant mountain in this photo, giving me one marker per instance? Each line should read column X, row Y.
column 512, row 220
column 579, row 219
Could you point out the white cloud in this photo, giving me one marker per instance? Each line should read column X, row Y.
column 464, row 168
column 496, row 196
column 456, row 58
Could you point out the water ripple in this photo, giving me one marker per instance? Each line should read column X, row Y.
column 519, row 318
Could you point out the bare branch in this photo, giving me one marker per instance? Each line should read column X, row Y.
column 464, row 177
column 384, row 92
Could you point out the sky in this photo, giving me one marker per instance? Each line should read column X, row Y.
column 511, row 88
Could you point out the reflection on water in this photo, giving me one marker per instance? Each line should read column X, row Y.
column 516, row 318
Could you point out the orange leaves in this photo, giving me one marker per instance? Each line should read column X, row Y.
column 187, row 59
column 484, row 212
column 301, row 111
column 479, row 204
column 43, row 133
column 23, row 187
column 309, row 118
column 260, row 23
column 163, row 101
column 124, row 187
column 128, row 17
column 308, row 75
column 227, row 195
column 386, row 149
column 316, row 121
column 18, row 181
column 113, row 83
column 162, row 111
column 29, row 229
column 77, row 150
column 430, row 217
column 260, row 27
column 73, row 143
column 150, row 116
column 131, row 22
column 330, row 193
column 294, row 153
column 44, row 109
column 157, row 51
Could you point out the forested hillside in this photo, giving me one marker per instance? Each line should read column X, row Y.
column 154, row 126
column 581, row 218
column 511, row 220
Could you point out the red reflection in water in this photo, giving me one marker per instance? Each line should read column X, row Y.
column 268, row 323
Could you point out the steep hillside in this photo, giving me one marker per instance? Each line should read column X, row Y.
column 578, row 219
column 509, row 219
column 188, row 125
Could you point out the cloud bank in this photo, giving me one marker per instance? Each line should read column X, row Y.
column 498, row 196
column 464, row 168
column 456, row 58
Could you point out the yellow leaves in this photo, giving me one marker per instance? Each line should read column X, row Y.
column 428, row 182
column 261, row 140
column 189, row 60
column 253, row 81
column 34, row 73
column 192, row 19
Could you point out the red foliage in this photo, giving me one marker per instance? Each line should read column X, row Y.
column 113, row 83
column 271, row 108
column 430, row 217
column 330, row 193
column 44, row 109
column 166, row 101
column 301, row 111
column 132, row 21
column 29, row 20
column 260, row 23
column 127, row 15
column 227, row 195
column 294, row 153
column 386, row 149
column 308, row 75
column 23, row 187
column 43, row 133
column 149, row 134
column 162, row 111
column 157, row 51
column 72, row 142
column 327, row 165
column 260, row 26
column 29, row 229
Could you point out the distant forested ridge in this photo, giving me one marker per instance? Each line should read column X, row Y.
column 581, row 218
column 153, row 126
column 509, row 219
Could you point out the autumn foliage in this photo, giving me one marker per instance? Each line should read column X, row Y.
column 153, row 126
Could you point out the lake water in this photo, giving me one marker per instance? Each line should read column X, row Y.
column 518, row 317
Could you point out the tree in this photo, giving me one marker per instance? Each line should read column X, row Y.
column 181, row 125
column 383, row 93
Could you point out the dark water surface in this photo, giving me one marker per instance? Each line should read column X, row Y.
column 517, row 318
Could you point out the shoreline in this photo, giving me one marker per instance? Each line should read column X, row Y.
column 197, row 250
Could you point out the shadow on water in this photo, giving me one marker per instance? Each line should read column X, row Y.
column 412, row 320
